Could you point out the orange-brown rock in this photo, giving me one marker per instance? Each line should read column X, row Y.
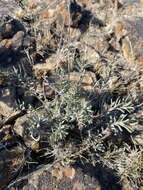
column 32, row 4
column 47, row 14
column 40, row 70
column 86, row 81
column 64, row 14
column 51, row 64
column 63, row 172
column 86, row 78
column 120, row 30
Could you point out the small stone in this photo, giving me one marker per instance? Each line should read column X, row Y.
column 47, row 14
column 5, row 110
column 58, row 173
column 33, row 4
column 40, row 70
column 86, row 81
column 120, row 30
column 28, row 132
column 20, row 125
column 8, row 28
column 7, row 101
column 17, row 40
column 35, row 146
column 69, row 172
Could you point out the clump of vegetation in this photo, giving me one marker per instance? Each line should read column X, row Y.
column 128, row 167
column 95, row 127
column 76, row 120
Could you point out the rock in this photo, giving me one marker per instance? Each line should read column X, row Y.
column 66, row 19
column 5, row 110
column 49, row 89
column 13, row 44
column 20, row 125
column 12, row 118
column 8, row 7
column 50, row 65
column 60, row 172
column 86, row 78
column 5, row 45
column 40, row 70
column 61, row 14
column 30, row 134
column 47, row 14
column 85, row 81
column 42, row 179
column 17, row 40
column 10, row 94
column 129, row 32
column 7, row 101
column 94, row 43
column 68, row 14
column 10, row 163
column 12, row 33
column 9, row 27
column 32, row 4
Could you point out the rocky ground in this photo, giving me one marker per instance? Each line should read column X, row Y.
column 71, row 94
